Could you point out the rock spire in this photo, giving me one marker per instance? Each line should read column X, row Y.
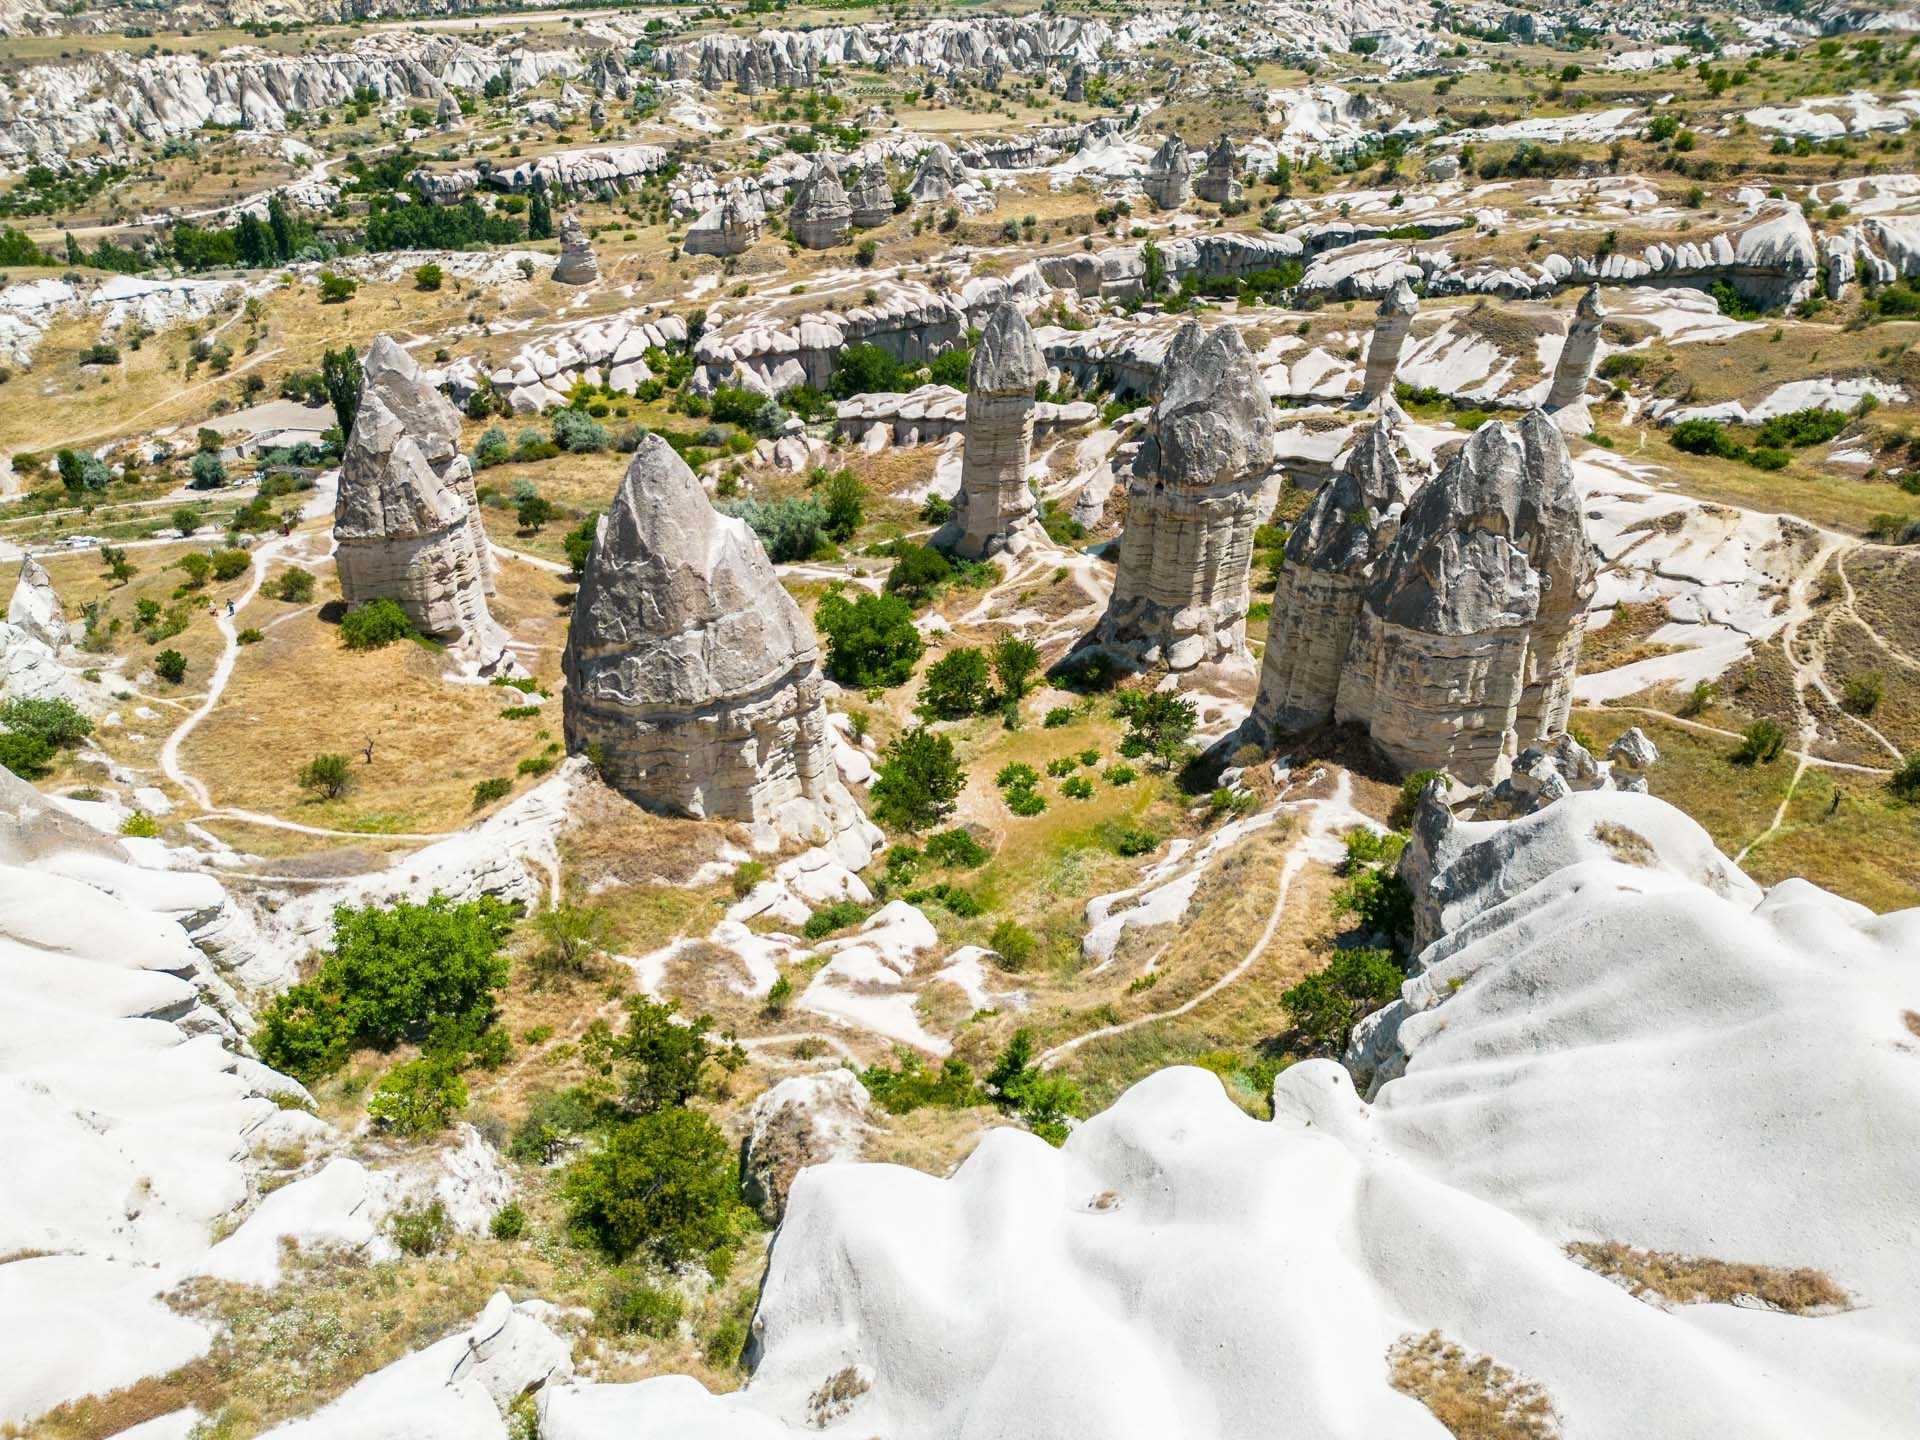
column 1390, row 326
column 994, row 507
column 821, row 215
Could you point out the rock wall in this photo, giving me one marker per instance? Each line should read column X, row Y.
column 1199, row 488
column 693, row 680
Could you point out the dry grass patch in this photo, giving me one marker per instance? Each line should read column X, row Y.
column 1474, row 1396
column 1661, row 1276
column 1627, row 846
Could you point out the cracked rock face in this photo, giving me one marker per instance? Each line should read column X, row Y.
column 1169, row 177
column 1390, row 328
column 994, row 505
column 730, row 228
column 937, row 176
column 1577, row 356
column 821, row 214
column 577, row 265
column 404, row 522
column 1464, row 650
column 692, row 678
column 1197, row 492
column 1329, row 558
column 35, row 608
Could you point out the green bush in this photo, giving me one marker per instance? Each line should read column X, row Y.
column 326, row 777
column 1077, row 788
column 578, row 432
column 656, row 1061
column 420, row 1230
column 956, row 848
column 1905, row 782
column 791, row 529
column 1025, row 803
column 871, row 640
column 418, row 1097
column 171, row 666
column 485, row 792
column 1703, row 437
column 1862, row 694
column 249, row 636
column 845, row 499
column 1380, row 901
column 393, row 975
column 140, row 825
column 1132, row 841
column 294, row 585
column 1017, row 776
column 746, row 875
column 374, row 625
column 509, row 1222
column 1407, row 803
column 1014, row 944
column 27, row 756
column 1121, row 773
column 918, row 572
column 1760, row 744
column 908, row 1085
column 1043, row 1100
column 1158, row 725
column 1015, row 662
column 829, row 918
column 231, row 564
column 634, row 1306
column 552, row 1120
column 664, row 1183
column 1061, row 765
column 1800, row 428
column 58, row 722
column 1327, row 1004
column 1057, row 717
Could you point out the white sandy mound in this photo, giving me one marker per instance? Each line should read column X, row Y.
column 1616, row 1038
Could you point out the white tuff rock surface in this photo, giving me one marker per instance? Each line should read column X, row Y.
column 994, row 508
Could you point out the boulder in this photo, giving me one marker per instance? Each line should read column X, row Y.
column 729, row 228
column 804, row 1120
column 35, row 608
column 692, row 678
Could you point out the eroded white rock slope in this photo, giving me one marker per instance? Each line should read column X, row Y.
column 1614, row 1036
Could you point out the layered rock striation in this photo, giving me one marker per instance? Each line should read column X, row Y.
column 1464, row 649
column 693, row 680
column 994, row 508
column 405, row 523
column 1198, row 489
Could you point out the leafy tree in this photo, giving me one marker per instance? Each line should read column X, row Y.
column 326, row 776
column 1044, row 1101
column 119, row 569
column 374, row 625
column 845, row 499
column 665, row 1183
column 656, row 1062
column 253, row 241
column 208, row 471
column 81, row 472
column 578, row 432
column 294, row 585
column 539, row 212
column 1158, row 724
column 579, row 543
column 572, row 939
column 908, row 1085
column 950, row 367
column 429, row 277
column 231, row 564
column 532, row 512
column 918, row 571
column 871, row 640
column 280, row 225
column 864, row 370
column 956, row 685
column 1327, row 1004
column 25, row 754
column 1014, row 663
column 1905, row 782
column 492, row 448
column 340, row 375
column 337, row 289
column 917, row 781
column 187, row 519
column 1761, row 744
column 171, row 666
column 58, row 722
column 404, row 973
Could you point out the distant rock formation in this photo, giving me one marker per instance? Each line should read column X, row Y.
column 35, row 608
column 405, row 524
column 1219, row 182
column 994, row 507
column 1076, row 91
column 1463, row 652
column 871, row 196
column 1169, row 176
column 1390, row 326
column 31, row 639
column 1551, row 770
column 1577, row 356
column 693, row 680
column 577, row 265
column 731, row 228
column 821, row 215
column 938, row 176
column 1196, row 494
column 1330, row 556
column 446, row 115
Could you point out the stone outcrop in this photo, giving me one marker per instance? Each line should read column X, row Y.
column 1551, row 770
column 1198, row 489
column 577, row 264
column 804, row 1120
column 1219, row 182
column 1169, row 177
column 35, row 609
column 405, row 523
column 994, row 507
column 1390, row 326
column 1463, row 651
column 937, row 177
column 1580, row 352
column 693, row 680
column 821, row 215
column 871, row 196
column 1076, row 89
column 731, row 228
column 1329, row 558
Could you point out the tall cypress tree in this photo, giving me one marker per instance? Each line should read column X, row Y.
column 340, row 373
column 281, row 223
column 539, row 214
column 253, row 242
